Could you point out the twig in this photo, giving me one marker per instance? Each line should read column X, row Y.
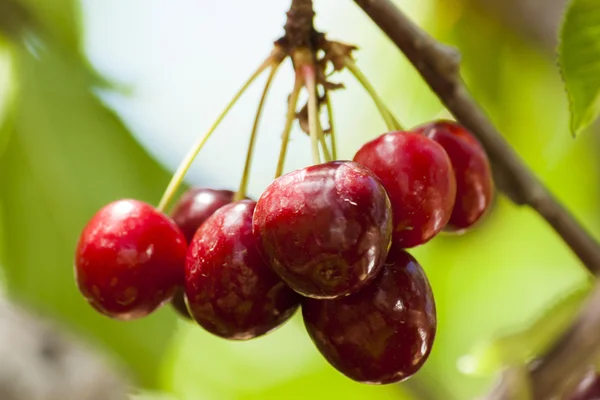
column 570, row 357
column 569, row 360
column 563, row 367
column 439, row 66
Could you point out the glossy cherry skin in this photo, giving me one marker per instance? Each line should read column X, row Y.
column 193, row 208
column 325, row 229
column 231, row 290
column 129, row 260
column 588, row 388
column 196, row 205
column 382, row 334
column 418, row 176
column 474, row 183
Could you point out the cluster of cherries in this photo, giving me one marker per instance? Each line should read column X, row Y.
column 330, row 238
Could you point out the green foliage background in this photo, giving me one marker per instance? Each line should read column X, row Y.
column 63, row 155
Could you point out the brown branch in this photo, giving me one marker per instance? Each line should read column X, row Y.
column 439, row 66
column 299, row 27
column 566, row 364
column 569, row 359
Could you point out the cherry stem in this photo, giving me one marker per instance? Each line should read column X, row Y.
column 289, row 121
column 331, row 125
column 186, row 163
column 241, row 193
column 391, row 122
column 310, row 79
column 326, row 153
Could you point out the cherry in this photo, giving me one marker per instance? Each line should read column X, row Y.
column 192, row 209
column 588, row 388
column 382, row 334
column 325, row 229
column 418, row 176
column 196, row 205
column 474, row 184
column 231, row 290
column 129, row 259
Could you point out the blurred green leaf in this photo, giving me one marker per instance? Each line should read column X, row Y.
column 7, row 91
column 67, row 157
column 579, row 59
column 152, row 396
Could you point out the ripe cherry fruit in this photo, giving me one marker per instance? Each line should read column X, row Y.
column 193, row 208
column 325, row 229
column 231, row 290
column 129, row 260
column 382, row 334
column 418, row 176
column 588, row 388
column 196, row 205
column 474, row 184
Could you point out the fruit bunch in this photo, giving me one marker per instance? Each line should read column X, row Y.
column 330, row 238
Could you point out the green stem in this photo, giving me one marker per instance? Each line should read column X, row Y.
column 326, row 153
column 310, row 81
column 331, row 125
column 241, row 193
column 191, row 155
column 289, row 121
column 390, row 121
column 397, row 124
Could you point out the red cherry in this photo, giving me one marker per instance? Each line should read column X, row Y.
column 231, row 291
column 325, row 229
column 474, row 184
column 196, row 205
column 382, row 334
column 418, row 176
column 588, row 388
column 129, row 259
column 193, row 208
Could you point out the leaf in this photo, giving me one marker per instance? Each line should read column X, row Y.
column 7, row 91
column 68, row 156
column 579, row 60
column 146, row 395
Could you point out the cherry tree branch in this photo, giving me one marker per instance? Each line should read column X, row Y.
column 563, row 367
column 438, row 64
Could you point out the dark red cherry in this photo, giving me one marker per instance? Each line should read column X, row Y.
column 192, row 209
column 129, row 260
column 418, row 176
column 588, row 388
column 231, row 290
column 325, row 229
column 474, row 184
column 196, row 205
column 382, row 334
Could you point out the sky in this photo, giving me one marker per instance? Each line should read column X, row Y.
column 177, row 63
